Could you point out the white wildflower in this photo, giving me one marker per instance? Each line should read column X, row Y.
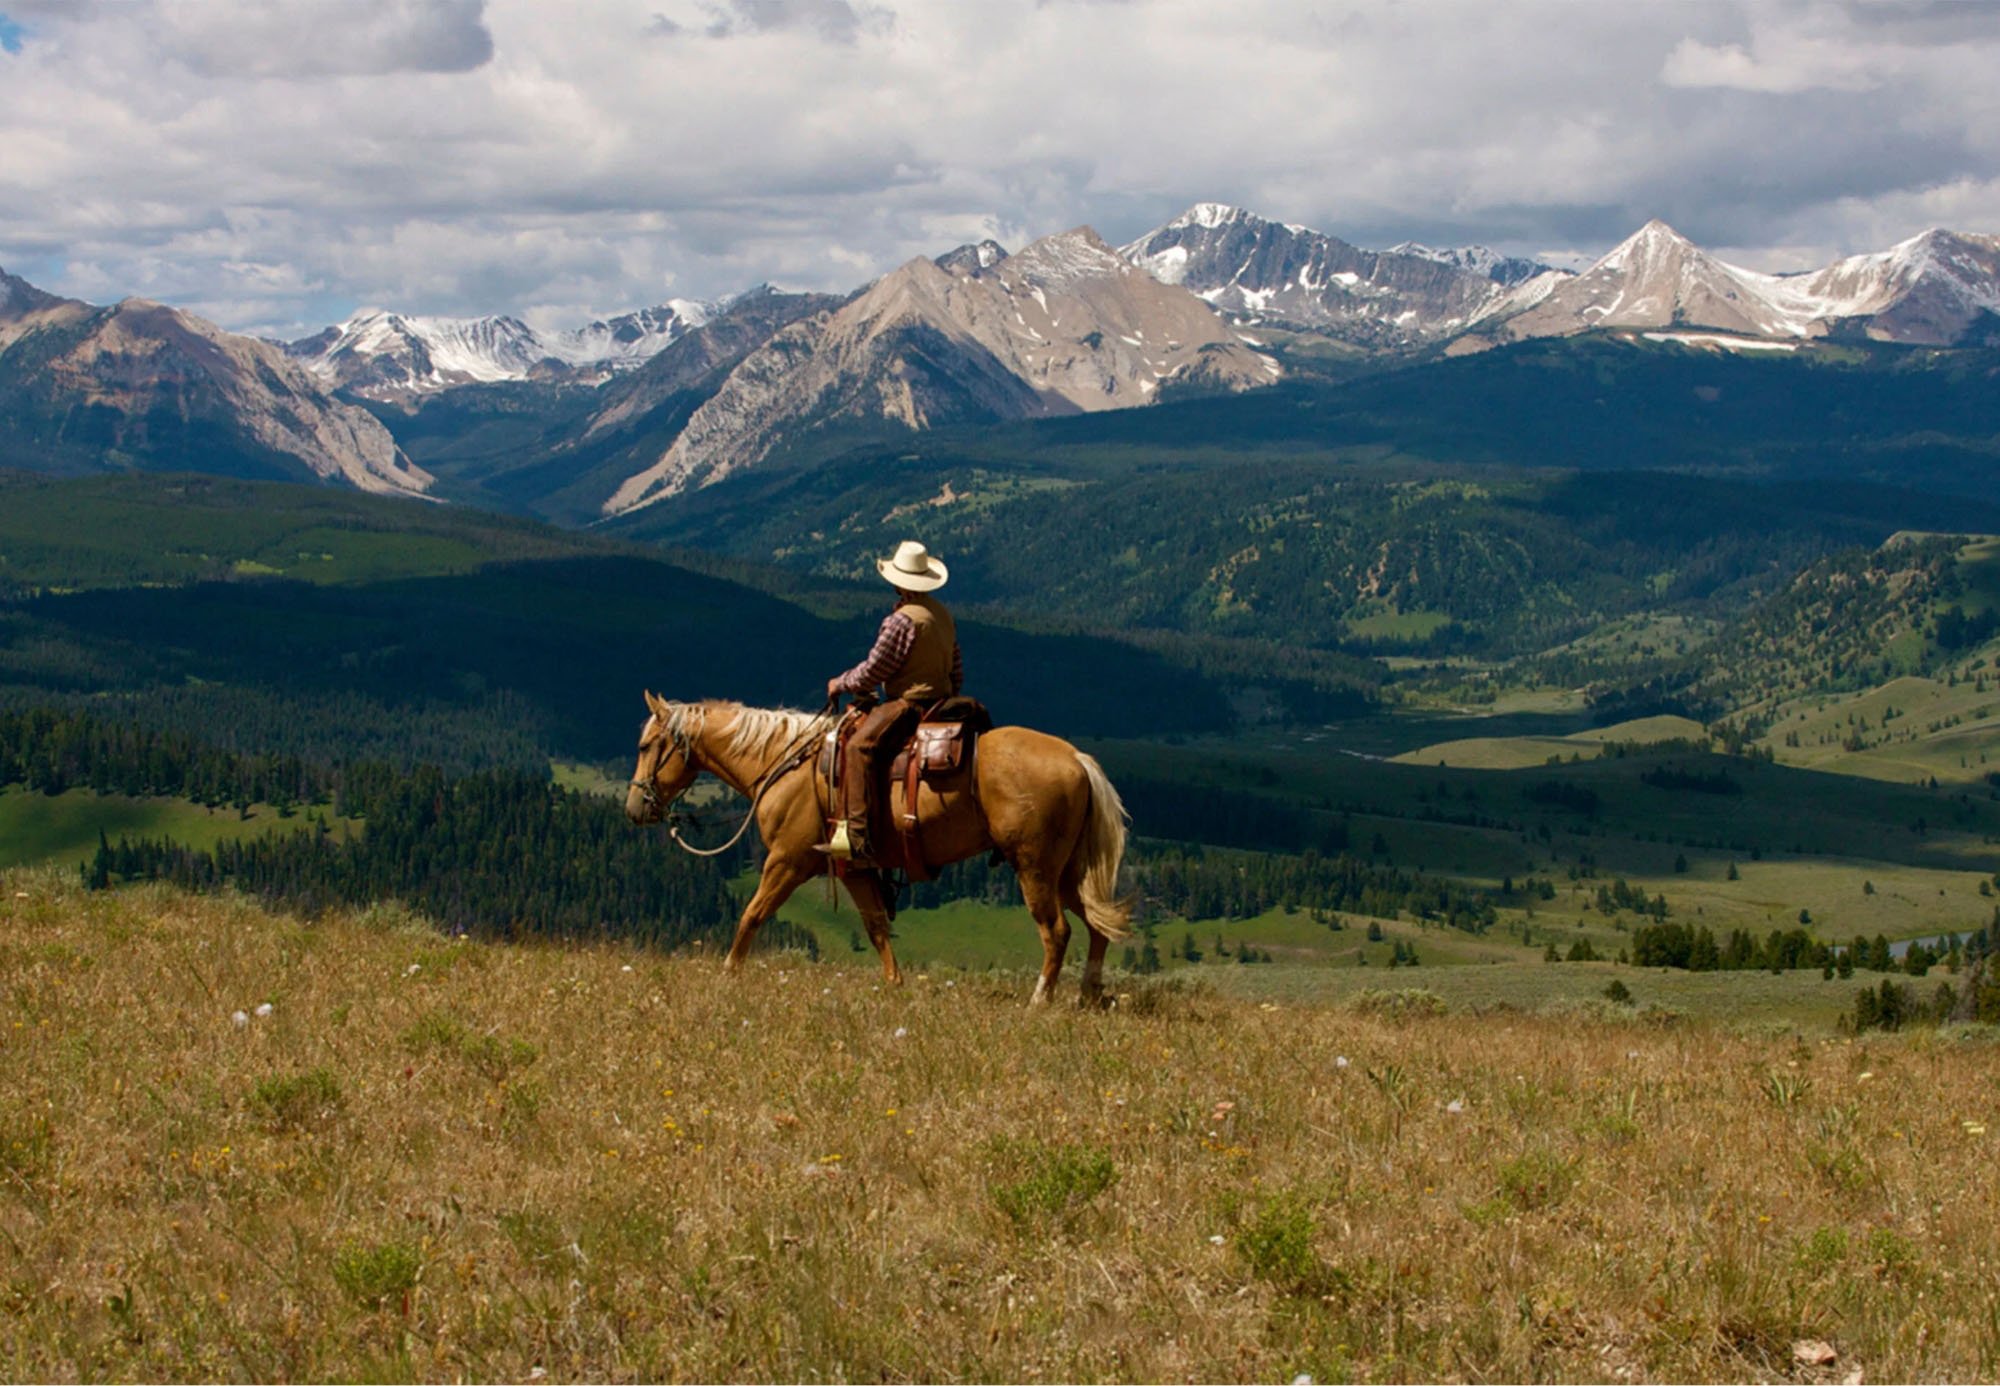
column 262, row 1010
column 239, row 1020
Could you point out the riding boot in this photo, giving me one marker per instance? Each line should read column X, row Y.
column 864, row 775
column 852, row 842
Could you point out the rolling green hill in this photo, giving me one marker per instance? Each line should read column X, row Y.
column 64, row 828
column 1370, row 559
column 324, row 615
column 333, row 627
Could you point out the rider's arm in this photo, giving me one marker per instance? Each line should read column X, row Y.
column 885, row 660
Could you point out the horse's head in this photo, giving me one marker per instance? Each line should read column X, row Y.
column 665, row 768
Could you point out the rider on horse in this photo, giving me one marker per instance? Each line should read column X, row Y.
column 916, row 661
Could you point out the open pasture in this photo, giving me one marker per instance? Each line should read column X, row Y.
column 64, row 828
column 431, row 1160
column 1910, row 730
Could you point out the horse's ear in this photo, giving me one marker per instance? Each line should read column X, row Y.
column 655, row 703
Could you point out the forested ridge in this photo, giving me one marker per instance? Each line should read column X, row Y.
column 1363, row 559
column 497, row 853
column 510, row 854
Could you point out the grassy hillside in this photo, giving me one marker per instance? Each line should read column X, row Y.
column 435, row 1159
column 64, row 828
column 351, row 622
column 1376, row 557
column 1520, row 752
column 124, row 530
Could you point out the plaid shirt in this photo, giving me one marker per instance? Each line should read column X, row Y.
column 885, row 660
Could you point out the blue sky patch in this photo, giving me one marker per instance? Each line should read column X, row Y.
column 10, row 34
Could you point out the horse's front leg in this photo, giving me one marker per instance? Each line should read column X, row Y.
column 782, row 876
column 867, row 890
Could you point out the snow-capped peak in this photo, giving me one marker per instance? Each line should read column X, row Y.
column 1474, row 259
column 1076, row 253
column 1652, row 244
column 972, row 259
column 382, row 353
column 628, row 339
column 1209, row 215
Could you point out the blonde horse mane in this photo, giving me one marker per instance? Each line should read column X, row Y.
column 760, row 733
column 765, row 733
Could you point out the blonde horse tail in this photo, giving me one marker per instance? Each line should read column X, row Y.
column 1099, row 855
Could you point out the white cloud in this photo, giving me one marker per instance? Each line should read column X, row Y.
column 289, row 164
column 1794, row 68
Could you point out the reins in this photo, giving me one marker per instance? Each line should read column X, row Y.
column 795, row 755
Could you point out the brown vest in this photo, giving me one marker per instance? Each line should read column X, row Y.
column 926, row 674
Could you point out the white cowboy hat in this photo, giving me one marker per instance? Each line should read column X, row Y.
column 912, row 568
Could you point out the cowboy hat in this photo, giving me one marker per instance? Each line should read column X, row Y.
column 912, row 568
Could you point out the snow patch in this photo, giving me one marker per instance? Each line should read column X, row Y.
column 1713, row 339
column 1169, row 266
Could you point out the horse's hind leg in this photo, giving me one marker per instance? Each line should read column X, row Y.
column 1045, row 904
column 1092, row 994
column 867, row 892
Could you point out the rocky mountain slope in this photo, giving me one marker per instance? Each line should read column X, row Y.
column 1477, row 259
column 1065, row 326
column 1941, row 288
column 1259, row 271
column 393, row 356
column 690, row 393
column 1937, row 289
column 566, row 472
column 698, row 357
column 141, row 384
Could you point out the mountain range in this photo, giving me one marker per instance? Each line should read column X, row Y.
column 382, row 355
column 86, row 388
column 653, row 404
column 1066, row 326
column 1937, row 289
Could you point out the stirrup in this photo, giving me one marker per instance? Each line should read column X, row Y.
column 840, row 848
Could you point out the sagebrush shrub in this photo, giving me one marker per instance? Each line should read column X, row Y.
column 1057, row 1182
column 1277, row 1243
column 1537, row 1179
column 296, row 1099
column 373, row 1275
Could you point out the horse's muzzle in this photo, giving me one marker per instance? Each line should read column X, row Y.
column 642, row 804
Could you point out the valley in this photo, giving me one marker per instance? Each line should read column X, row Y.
column 1551, row 636
column 1477, row 532
column 1494, row 810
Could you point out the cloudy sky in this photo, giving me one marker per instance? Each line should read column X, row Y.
column 275, row 164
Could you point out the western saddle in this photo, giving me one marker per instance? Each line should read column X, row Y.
column 940, row 752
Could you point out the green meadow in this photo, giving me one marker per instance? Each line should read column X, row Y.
column 64, row 828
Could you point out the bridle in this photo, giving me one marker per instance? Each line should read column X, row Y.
column 795, row 755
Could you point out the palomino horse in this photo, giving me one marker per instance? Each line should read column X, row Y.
column 1041, row 803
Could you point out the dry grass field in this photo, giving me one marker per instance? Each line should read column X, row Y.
column 439, row 1160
